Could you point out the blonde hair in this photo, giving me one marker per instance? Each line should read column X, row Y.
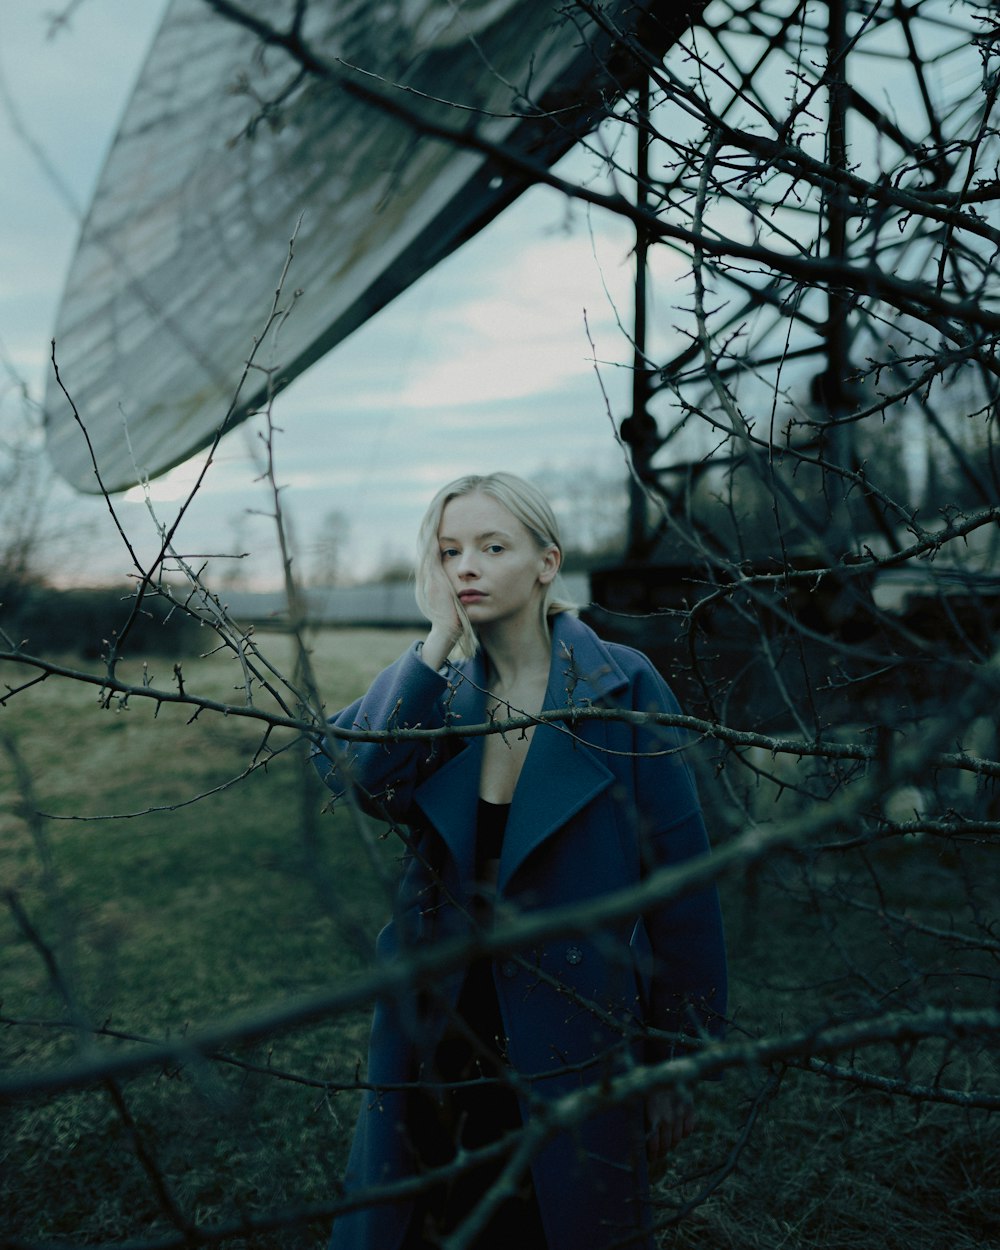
column 522, row 500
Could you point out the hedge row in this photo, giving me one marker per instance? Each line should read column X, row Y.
column 42, row 620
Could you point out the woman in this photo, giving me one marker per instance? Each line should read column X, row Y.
column 508, row 823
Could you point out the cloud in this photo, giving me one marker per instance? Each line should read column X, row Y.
column 172, row 487
column 523, row 332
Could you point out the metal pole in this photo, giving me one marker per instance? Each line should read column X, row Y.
column 636, row 431
column 835, row 391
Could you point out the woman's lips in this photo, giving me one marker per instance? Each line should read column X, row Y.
column 471, row 596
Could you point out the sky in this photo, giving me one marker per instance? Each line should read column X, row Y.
column 483, row 364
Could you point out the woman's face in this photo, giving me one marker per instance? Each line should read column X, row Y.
column 493, row 564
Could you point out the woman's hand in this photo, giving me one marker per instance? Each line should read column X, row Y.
column 669, row 1119
column 446, row 624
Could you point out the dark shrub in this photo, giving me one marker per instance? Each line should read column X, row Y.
column 43, row 620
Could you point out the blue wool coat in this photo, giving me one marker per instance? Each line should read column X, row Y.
column 593, row 810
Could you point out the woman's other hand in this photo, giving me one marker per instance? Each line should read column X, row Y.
column 669, row 1119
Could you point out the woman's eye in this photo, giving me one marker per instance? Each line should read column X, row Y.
column 494, row 549
column 448, row 552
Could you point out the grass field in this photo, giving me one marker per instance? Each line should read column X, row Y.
column 164, row 921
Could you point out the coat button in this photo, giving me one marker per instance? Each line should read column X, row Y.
column 509, row 968
column 574, row 955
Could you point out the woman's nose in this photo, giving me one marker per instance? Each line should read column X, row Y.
column 467, row 565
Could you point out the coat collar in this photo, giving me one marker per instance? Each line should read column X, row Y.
column 560, row 776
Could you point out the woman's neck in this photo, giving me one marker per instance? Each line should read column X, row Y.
column 516, row 654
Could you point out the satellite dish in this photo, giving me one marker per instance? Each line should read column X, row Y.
column 226, row 144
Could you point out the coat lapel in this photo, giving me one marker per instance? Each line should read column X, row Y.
column 560, row 775
column 559, row 778
column 449, row 798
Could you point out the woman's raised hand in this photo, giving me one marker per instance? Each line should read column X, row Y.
column 446, row 624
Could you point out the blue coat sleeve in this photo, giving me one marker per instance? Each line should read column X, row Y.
column 409, row 694
column 688, row 986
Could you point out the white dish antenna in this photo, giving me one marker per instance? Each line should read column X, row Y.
column 181, row 250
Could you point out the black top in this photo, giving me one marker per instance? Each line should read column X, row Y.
column 490, row 825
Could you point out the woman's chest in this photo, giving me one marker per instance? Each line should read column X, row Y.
column 505, row 752
column 503, row 762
